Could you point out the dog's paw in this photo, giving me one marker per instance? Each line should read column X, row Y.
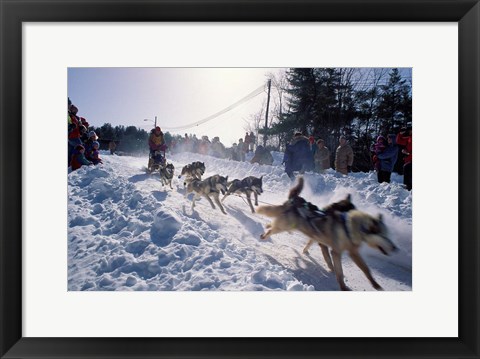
column 306, row 252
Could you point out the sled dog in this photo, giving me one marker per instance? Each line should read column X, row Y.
column 166, row 174
column 338, row 231
column 344, row 205
column 209, row 187
column 247, row 186
column 193, row 170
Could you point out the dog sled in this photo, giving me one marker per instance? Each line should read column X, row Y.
column 156, row 161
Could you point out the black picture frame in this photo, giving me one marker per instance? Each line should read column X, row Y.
column 13, row 13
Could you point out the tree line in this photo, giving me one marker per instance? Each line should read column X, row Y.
column 129, row 139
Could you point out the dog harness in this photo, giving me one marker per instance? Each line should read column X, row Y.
column 343, row 218
column 309, row 211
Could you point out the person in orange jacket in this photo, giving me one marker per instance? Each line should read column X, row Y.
column 156, row 142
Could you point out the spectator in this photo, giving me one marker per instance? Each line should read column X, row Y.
column 241, row 148
column 217, row 148
column 187, row 144
column 195, row 143
column 404, row 138
column 78, row 158
column 156, row 142
column 377, row 148
column 251, row 144
column 246, row 143
column 83, row 134
column 298, row 156
column 83, row 121
column 92, row 137
column 311, row 140
column 74, row 136
column 321, row 156
column 94, row 155
column 204, row 145
column 387, row 159
column 343, row 157
column 112, row 146
column 234, row 155
column 262, row 156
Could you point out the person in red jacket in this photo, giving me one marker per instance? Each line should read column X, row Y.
column 74, row 135
column 404, row 138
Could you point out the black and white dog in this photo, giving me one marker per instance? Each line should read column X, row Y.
column 166, row 174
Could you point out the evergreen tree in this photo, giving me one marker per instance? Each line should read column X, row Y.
column 394, row 108
column 302, row 97
column 106, row 132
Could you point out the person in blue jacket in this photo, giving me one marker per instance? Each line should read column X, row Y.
column 298, row 155
column 387, row 159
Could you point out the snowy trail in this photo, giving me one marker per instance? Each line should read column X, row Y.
column 127, row 232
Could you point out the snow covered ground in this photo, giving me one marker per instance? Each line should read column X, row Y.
column 127, row 232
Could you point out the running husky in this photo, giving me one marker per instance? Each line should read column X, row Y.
column 308, row 209
column 166, row 174
column 209, row 187
column 338, row 231
column 193, row 170
column 247, row 186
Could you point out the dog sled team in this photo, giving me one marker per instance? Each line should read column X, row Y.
column 339, row 227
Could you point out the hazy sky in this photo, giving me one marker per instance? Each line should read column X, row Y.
column 177, row 96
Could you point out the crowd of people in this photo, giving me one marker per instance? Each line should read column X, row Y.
column 215, row 148
column 83, row 147
column 307, row 154
column 385, row 155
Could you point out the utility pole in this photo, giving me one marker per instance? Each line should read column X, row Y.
column 266, row 115
column 155, row 121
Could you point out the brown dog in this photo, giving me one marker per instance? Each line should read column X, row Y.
column 338, row 231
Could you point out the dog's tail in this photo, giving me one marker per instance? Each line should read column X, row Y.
column 295, row 191
column 271, row 211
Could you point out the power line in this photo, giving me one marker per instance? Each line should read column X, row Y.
column 250, row 96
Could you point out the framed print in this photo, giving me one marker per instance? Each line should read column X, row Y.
column 50, row 49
